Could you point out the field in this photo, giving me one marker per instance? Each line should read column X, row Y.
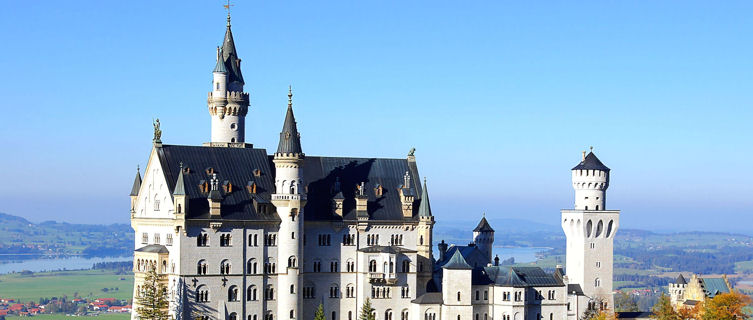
column 85, row 283
column 104, row 316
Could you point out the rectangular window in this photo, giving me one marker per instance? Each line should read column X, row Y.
column 156, row 238
column 144, row 238
column 169, row 239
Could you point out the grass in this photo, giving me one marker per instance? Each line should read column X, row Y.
column 104, row 316
column 56, row 284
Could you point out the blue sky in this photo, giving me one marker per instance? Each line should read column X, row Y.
column 498, row 97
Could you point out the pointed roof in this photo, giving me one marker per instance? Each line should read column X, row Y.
column 483, row 226
column 230, row 56
column 457, row 262
column 681, row 280
column 424, row 209
column 591, row 162
column 220, row 66
column 136, row 183
column 180, row 186
column 290, row 139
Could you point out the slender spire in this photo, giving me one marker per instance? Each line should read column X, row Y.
column 424, row 209
column 229, row 55
column 136, row 183
column 220, row 66
column 290, row 139
column 180, row 186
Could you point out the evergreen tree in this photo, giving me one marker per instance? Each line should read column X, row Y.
column 319, row 315
column 663, row 310
column 367, row 312
column 152, row 299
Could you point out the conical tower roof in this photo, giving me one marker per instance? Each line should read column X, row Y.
column 230, row 56
column 591, row 162
column 424, row 209
column 290, row 139
column 681, row 280
column 136, row 184
column 180, row 186
column 220, row 66
column 483, row 226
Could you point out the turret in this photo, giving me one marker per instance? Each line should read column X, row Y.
column 289, row 199
column 425, row 227
column 228, row 104
column 483, row 237
column 590, row 181
column 180, row 201
column 135, row 191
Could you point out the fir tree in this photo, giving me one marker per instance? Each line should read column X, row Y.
column 663, row 310
column 152, row 299
column 319, row 315
column 367, row 312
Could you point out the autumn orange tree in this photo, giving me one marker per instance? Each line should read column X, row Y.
column 726, row 306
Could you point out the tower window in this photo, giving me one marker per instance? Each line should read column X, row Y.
column 232, row 126
column 217, row 86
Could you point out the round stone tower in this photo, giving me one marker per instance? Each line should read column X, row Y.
column 590, row 181
column 227, row 103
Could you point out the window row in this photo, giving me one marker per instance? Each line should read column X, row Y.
column 156, row 238
column 202, row 293
column 226, row 240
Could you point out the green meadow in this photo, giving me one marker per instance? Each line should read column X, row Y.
column 104, row 316
column 84, row 283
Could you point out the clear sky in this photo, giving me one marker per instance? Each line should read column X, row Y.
column 498, row 97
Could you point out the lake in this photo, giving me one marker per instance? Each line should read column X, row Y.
column 521, row 254
column 53, row 264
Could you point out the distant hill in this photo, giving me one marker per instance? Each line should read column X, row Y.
column 20, row 238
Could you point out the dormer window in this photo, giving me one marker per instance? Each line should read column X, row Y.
column 378, row 190
column 251, row 187
column 209, row 171
column 203, row 186
column 227, row 186
column 257, row 172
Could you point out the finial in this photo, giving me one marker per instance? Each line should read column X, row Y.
column 290, row 96
column 584, row 155
column 227, row 7
column 181, row 166
column 138, row 169
column 483, row 214
column 411, row 152
column 592, row 148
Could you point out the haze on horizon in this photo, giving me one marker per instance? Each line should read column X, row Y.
column 499, row 99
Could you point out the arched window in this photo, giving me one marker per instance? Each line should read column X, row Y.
column 372, row 266
column 334, row 315
column 201, row 267
column 388, row 314
column 406, row 266
column 225, row 267
column 458, row 297
column 233, row 316
column 292, row 288
column 232, row 293
column 202, row 294
column 334, row 291
column 292, row 262
column 251, row 266
column 597, row 282
column 292, row 314
column 251, row 293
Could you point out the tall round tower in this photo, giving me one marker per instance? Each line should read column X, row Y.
column 590, row 230
column 483, row 237
column 227, row 103
column 590, row 181
column 289, row 198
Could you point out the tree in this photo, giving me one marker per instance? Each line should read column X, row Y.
column 367, row 312
column 726, row 306
column 152, row 299
column 319, row 315
column 663, row 310
column 623, row 302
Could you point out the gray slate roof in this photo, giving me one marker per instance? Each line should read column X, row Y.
column 519, row 277
column 230, row 56
column 386, row 249
column 237, row 166
column 180, row 185
column 574, row 287
column 136, row 184
column 457, row 262
column 591, row 162
column 471, row 254
column 220, row 66
column 483, row 226
column 681, row 280
column 429, row 298
column 290, row 139
column 153, row 248
column 424, row 209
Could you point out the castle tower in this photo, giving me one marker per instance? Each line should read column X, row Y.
column 483, row 237
column 425, row 226
column 227, row 102
column 677, row 291
column 590, row 230
column 289, row 198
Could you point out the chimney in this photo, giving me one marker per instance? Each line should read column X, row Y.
column 215, row 198
column 362, row 200
column 442, row 246
column 407, row 196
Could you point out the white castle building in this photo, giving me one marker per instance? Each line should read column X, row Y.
column 240, row 233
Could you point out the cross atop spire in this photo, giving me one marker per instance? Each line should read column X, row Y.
column 290, row 96
column 227, row 8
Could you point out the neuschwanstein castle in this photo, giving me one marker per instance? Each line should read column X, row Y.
column 243, row 234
